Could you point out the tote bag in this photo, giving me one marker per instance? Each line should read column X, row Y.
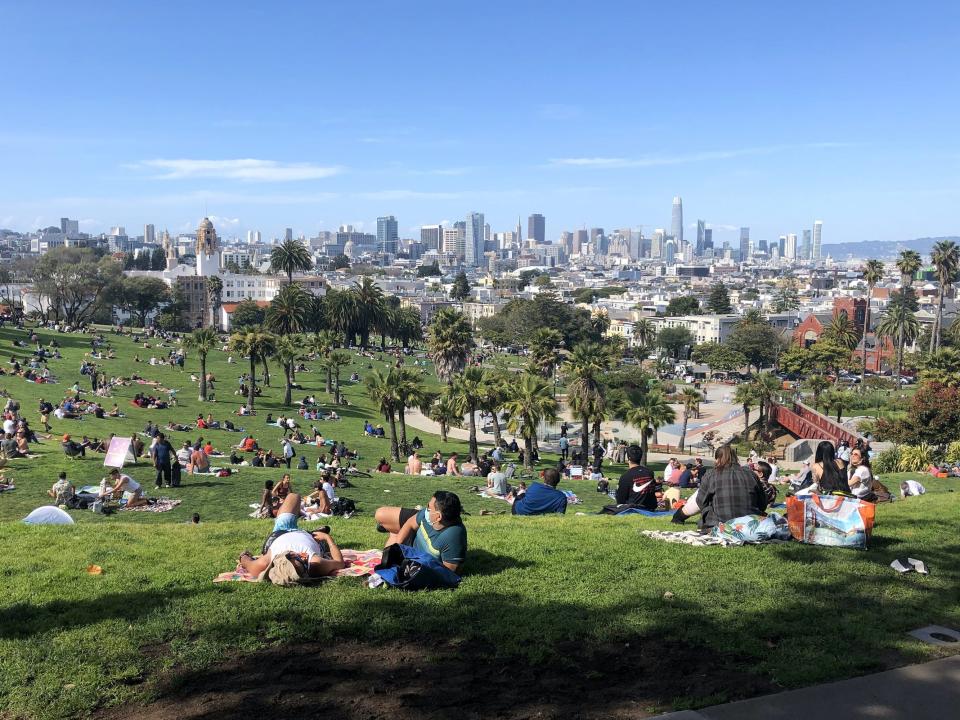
column 830, row 520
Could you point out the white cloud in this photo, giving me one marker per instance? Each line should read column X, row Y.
column 658, row 160
column 219, row 220
column 246, row 169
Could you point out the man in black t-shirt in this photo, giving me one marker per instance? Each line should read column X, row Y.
column 637, row 487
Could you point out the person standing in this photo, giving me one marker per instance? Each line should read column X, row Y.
column 161, row 453
column 288, row 451
column 564, row 447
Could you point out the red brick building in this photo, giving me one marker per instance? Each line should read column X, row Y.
column 880, row 353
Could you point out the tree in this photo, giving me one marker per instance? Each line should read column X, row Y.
column 340, row 262
column 841, row 331
column 529, row 402
column 461, row 288
column 431, row 270
column 796, row 360
column 289, row 257
column 690, row 399
column 827, row 356
column 256, row 344
column 586, row 366
column 745, row 395
column 932, row 417
column 718, row 302
column 382, row 390
column 343, row 315
column 544, row 351
column 71, row 283
column 717, row 357
column 443, row 412
column 215, row 298
column 872, row 274
column 786, row 298
column 755, row 339
column 141, row 296
column 247, row 314
column 543, row 281
column 369, row 305
column 942, row 367
column 289, row 311
column 766, row 390
column 411, row 393
column 202, row 341
column 674, row 340
column 494, row 391
column 287, row 351
column 158, row 259
column 652, row 412
column 683, row 305
column 816, row 384
column 836, row 400
column 336, row 361
column 466, row 392
column 450, row 341
column 946, row 261
column 644, row 331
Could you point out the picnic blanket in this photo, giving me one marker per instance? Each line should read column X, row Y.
column 648, row 513
column 360, row 563
column 157, row 505
column 688, row 537
column 4, row 487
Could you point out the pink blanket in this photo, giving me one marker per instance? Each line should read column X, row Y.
column 359, row 564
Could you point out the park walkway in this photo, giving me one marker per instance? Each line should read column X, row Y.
column 930, row 691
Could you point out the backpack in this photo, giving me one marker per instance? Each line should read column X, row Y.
column 343, row 506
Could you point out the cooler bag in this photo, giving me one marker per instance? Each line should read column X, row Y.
column 830, row 520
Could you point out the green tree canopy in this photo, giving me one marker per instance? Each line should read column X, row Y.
column 674, row 340
column 684, row 305
column 247, row 314
column 756, row 340
column 718, row 302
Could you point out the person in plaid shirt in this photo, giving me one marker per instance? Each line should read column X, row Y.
column 728, row 491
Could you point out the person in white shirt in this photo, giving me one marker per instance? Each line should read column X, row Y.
column 859, row 476
column 670, row 470
column 774, row 469
column 496, row 481
column 911, row 487
column 125, row 484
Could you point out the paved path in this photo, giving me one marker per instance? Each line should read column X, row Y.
column 930, row 691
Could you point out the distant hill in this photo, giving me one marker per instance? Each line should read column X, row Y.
column 883, row 250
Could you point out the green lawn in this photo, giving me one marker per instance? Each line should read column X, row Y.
column 554, row 592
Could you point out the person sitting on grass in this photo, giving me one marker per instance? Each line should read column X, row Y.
column 728, row 491
column 72, row 448
column 290, row 554
column 282, row 488
column 268, row 501
column 452, row 465
column 414, row 464
column 383, row 466
column 125, row 484
column 541, row 498
column 764, row 472
column 199, row 461
column 62, row 491
column 828, row 472
column 436, row 529
column 911, row 488
column 637, row 488
column 496, row 481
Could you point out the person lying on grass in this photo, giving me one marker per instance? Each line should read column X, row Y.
column 312, row 555
column 125, row 484
column 541, row 498
column 436, row 529
column 729, row 490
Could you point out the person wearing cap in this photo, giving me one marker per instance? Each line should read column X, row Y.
column 290, row 554
column 802, row 479
column 436, row 529
column 71, row 448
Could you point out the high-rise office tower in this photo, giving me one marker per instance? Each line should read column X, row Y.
column 744, row 244
column 580, row 240
column 656, row 243
column 257, row 236
column 701, row 237
column 452, row 241
column 149, row 235
column 288, row 234
column 817, row 238
column 518, row 234
column 430, row 236
column 566, row 240
column 598, row 241
column 249, row 237
column 805, row 246
column 676, row 226
column 790, row 247
column 762, row 247
column 474, row 239
column 707, row 240
column 387, row 235
column 537, row 228
column 782, row 245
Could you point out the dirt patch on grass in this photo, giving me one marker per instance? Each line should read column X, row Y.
column 463, row 681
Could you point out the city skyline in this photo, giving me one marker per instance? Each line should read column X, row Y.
column 796, row 131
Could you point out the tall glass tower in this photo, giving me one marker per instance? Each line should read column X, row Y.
column 817, row 232
column 474, row 241
column 676, row 227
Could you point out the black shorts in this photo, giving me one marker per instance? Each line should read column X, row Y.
column 406, row 514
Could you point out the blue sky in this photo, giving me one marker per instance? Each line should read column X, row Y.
column 309, row 115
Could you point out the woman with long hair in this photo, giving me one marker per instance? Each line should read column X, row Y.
column 728, row 491
column 828, row 471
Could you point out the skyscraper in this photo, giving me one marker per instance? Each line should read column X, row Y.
column 805, row 246
column 430, row 236
column 387, row 235
column 537, row 228
column 288, row 234
column 474, row 240
column 149, row 235
column 701, row 237
column 744, row 244
column 790, row 247
column 707, row 240
column 656, row 243
column 817, row 237
column 566, row 239
column 676, row 228
column 580, row 240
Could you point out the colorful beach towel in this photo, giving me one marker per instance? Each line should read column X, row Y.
column 648, row 513
column 360, row 563
column 158, row 505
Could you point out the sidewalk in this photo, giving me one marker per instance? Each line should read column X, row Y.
column 930, row 691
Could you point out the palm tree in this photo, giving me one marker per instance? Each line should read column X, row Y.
column 322, row 344
column 766, row 388
column 215, row 298
column 942, row 367
column 202, row 340
column 836, row 400
column 443, row 412
column 289, row 257
column 872, row 274
column 816, row 384
column 256, row 344
column 530, row 401
column 842, row 331
column 946, row 261
column 370, row 304
column 644, row 331
column 544, row 351
column 690, row 399
column 908, row 263
column 411, row 393
column 287, row 350
column 342, row 314
column 585, row 392
column 494, row 391
column 289, row 311
column 337, row 360
column 466, row 391
column 451, row 340
column 382, row 390
column 745, row 395
column 899, row 322
column 651, row 412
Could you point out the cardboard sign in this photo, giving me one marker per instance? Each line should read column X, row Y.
column 120, row 452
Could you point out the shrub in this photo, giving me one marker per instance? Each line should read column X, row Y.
column 886, row 461
column 914, row 458
column 953, row 452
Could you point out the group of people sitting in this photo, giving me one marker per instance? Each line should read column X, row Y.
column 149, row 402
